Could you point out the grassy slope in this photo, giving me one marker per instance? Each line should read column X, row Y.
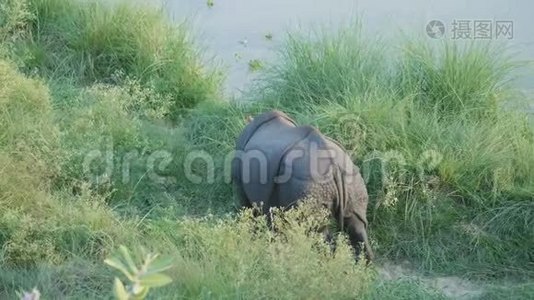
column 110, row 43
column 459, row 202
column 458, row 169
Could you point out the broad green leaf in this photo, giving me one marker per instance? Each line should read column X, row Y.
column 154, row 280
column 117, row 264
column 120, row 290
column 160, row 265
column 128, row 258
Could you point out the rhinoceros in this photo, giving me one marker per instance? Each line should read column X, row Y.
column 278, row 164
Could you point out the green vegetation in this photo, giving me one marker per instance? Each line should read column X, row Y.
column 143, row 278
column 104, row 42
column 255, row 65
column 100, row 106
column 459, row 166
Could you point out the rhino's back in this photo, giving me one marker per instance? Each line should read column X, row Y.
column 275, row 136
column 264, row 120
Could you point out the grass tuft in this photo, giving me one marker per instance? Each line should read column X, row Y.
column 103, row 42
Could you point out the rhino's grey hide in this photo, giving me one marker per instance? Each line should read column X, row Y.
column 278, row 163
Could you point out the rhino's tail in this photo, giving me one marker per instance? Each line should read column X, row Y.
column 342, row 195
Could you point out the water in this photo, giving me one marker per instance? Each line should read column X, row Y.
column 234, row 30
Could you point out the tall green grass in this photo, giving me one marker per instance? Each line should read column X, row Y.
column 470, row 79
column 443, row 160
column 38, row 224
column 241, row 258
column 93, row 41
column 319, row 66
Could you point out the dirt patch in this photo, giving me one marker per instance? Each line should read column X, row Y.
column 451, row 286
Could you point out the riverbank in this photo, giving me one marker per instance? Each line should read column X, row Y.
column 100, row 108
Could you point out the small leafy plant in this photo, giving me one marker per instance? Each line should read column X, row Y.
column 255, row 65
column 149, row 275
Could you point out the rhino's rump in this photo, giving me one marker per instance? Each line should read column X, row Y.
column 260, row 160
column 283, row 179
column 303, row 172
column 294, row 170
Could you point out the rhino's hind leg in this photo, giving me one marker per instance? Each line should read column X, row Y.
column 329, row 239
column 241, row 198
column 358, row 236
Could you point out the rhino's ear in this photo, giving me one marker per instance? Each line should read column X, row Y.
column 248, row 119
